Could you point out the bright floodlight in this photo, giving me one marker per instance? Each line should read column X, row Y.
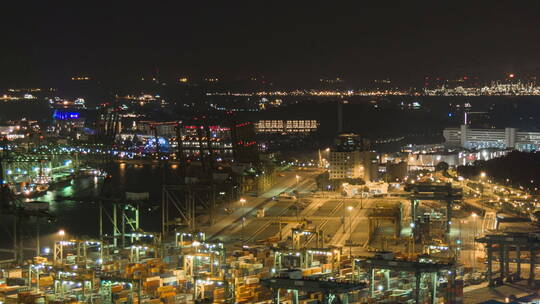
column 61, row 232
column 350, row 208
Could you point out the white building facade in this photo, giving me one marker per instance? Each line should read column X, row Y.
column 507, row 138
column 353, row 164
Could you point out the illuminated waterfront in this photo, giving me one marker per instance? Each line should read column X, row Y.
column 74, row 203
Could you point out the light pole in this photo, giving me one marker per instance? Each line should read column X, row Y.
column 297, row 179
column 350, row 208
column 243, row 202
column 61, row 233
column 474, row 215
column 482, row 177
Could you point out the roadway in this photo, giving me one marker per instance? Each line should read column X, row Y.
column 332, row 216
column 227, row 225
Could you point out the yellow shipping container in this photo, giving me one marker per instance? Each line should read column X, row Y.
column 116, row 288
column 46, row 281
column 121, row 300
column 167, row 294
column 166, row 288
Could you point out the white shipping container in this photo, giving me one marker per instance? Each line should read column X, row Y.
column 15, row 273
column 152, row 278
column 170, row 280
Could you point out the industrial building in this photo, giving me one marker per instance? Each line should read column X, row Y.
column 507, row 138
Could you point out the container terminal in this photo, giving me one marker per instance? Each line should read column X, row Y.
column 404, row 247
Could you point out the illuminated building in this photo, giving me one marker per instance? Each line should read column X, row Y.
column 80, row 78
column 286, row 126
column 11, row 132
column 164, row 129
column 194, row 137
column 507, row 138
column 225, row 143
column 349, row 158
column 80, row 103
column 5, row 130
column 265, row 103
column 429, row 160
column 67, row 122
column 495, row 88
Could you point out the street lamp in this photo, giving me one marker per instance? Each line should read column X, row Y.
column 297, row 178
column 482, row 177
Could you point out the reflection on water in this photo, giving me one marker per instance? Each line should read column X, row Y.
column 67, row 191
column 77, row 212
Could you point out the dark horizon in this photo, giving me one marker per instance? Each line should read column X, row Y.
column 288, row 42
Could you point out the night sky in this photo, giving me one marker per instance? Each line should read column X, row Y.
column 283, row 40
